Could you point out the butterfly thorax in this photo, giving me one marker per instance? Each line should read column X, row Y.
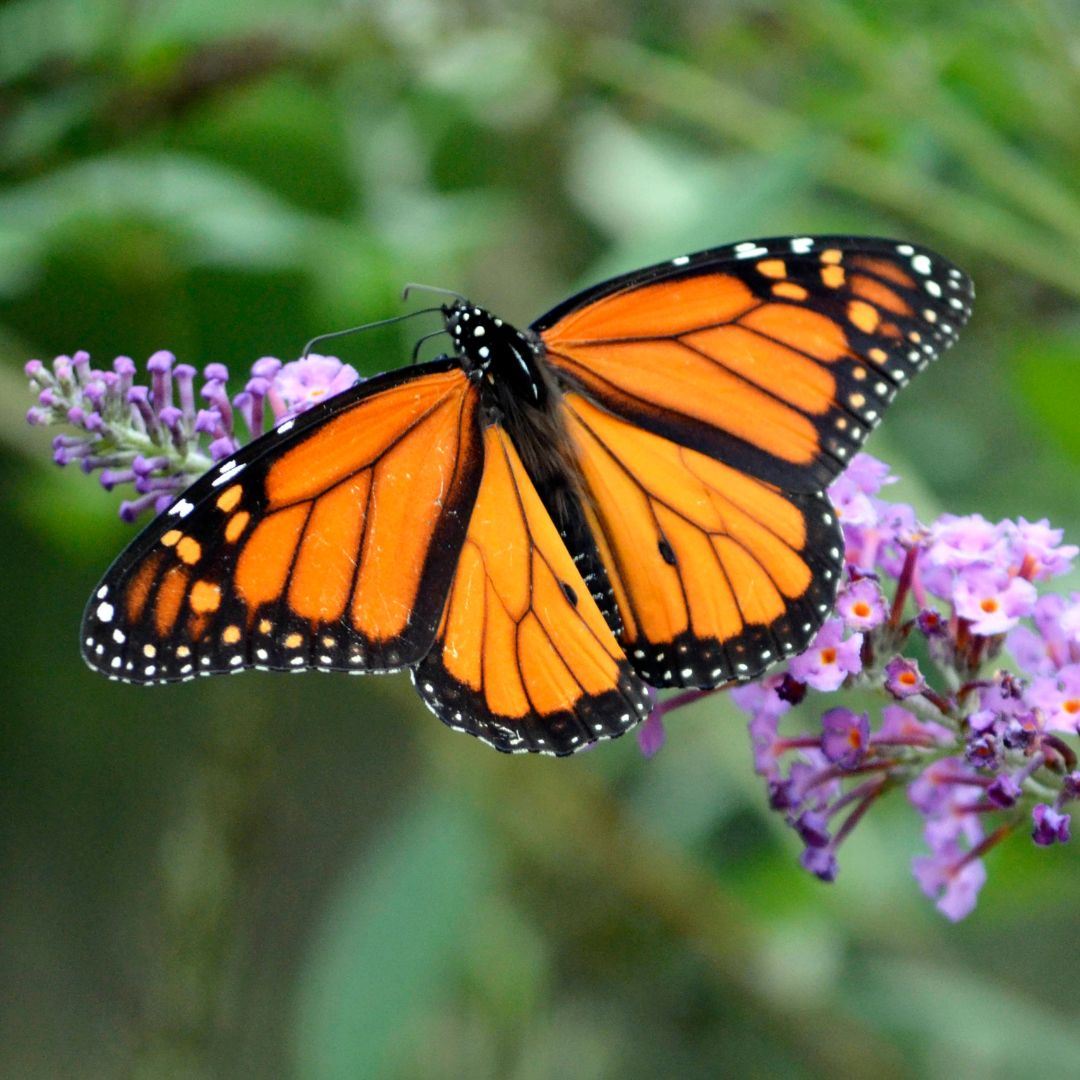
column 498, row 354
column 520, row 393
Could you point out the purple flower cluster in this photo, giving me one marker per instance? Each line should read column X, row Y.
column 978, row 748
column 161, row 437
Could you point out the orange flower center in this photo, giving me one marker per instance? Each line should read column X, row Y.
column 828, row 656
column 1072, row 705
column 989, row 605
column 907, row 678
column 861, row 608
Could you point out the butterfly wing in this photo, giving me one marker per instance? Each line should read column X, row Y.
column 716, row 574
column 523, row 658
column 776, row 357
column 710, row 400
column 329, row 542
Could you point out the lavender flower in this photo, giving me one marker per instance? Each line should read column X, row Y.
column 830, row 659
column 845, row 737
column 157, row 438
column 903, row 679
column 975, row 758
column 1051, row 827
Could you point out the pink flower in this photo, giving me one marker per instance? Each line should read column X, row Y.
column 948, row 879
column 830, row 660
column 861, row 605
column 992, row 601
column 1037, row 550
column 1058, row 696
column 845, row 737
column 302, row 384
column 1051, row 827
column 903, row 678
column 957, row 542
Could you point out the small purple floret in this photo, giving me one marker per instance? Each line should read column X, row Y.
column 1050, row 826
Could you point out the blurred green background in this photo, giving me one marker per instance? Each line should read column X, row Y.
column 270, row 877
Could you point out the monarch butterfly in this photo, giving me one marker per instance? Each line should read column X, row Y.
column 547, row 522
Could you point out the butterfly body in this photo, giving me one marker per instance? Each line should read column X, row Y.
column 542, row 525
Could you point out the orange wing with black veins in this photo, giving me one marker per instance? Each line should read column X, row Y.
column 716, row 574
column 776, row 357
column 523, row 658
column 329, row 543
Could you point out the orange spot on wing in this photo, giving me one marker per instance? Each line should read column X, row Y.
column 170, row 596
column 205, row 597
column 884, row 269
column 772, row 268
column 228, row 499
column 864, row 316
column 138, row 589
column 189, row 550
column 171, row 537
column 877, row 293
column 832, row 276
column 788, row 290
column 236, row 525
column 231, row 635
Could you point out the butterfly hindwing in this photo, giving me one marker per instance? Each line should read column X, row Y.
column 328, row 543
column 716, row 574
column 776, row 357
column 523, row 657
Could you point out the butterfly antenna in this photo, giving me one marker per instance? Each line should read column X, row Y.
column 420, row 341
column 431, row 288
column 365, row 326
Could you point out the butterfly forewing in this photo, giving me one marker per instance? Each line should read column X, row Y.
column 329, row 543
column 776, row 357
